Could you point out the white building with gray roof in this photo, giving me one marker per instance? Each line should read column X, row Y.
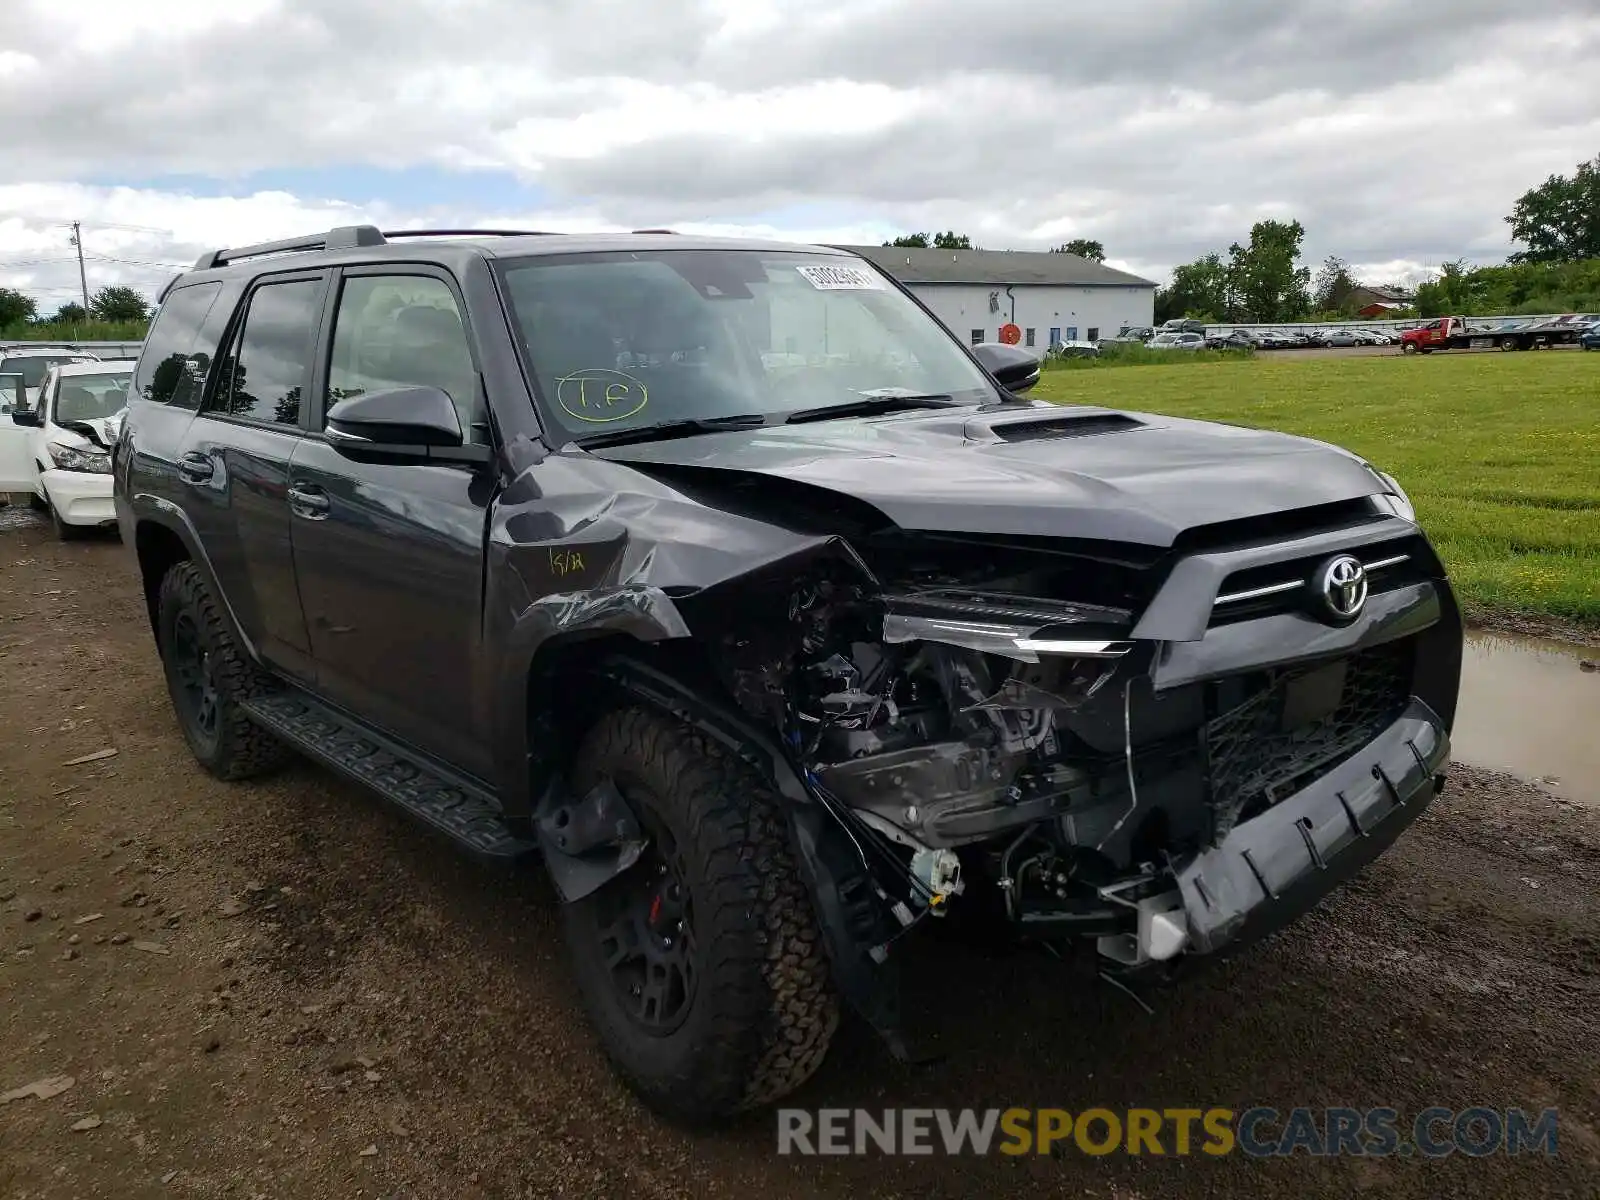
column 1049, row 297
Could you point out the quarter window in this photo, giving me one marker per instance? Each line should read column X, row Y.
column 263, row 377
column 169, row 370
column 402, row 331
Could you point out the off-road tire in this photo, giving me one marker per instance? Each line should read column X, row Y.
column 237, row 748
column 764, row 1010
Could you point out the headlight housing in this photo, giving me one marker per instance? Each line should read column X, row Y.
column 1395, row 500
column 75, row 458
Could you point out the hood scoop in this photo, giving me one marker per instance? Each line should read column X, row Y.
column 1067, row 425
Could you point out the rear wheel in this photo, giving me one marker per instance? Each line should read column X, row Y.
column 208, row 676
column 701, row 966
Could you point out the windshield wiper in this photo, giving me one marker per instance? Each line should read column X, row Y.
column 661, row 431
column 873, row 406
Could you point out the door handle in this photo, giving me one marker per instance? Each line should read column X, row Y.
column 195, row 467
column 309, row 501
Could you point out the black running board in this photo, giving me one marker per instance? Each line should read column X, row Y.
column 462, row 811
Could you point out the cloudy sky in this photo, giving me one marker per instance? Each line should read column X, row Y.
column 1399, row 134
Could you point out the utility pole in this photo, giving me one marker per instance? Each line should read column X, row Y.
column 83, row 280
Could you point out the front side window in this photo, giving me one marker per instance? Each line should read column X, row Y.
column 90, row 397
column 169, row 370
column 402, row 331
column 263, row 377
column 636, row 338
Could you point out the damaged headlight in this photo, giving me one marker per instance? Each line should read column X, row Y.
column 1021, row 642
column 1395, row 500
column 74, row 458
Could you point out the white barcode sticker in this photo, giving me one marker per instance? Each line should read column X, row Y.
column 841, row 277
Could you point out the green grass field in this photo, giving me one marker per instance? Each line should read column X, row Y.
column 1499, row 452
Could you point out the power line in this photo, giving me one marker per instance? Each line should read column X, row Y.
column 137, row 262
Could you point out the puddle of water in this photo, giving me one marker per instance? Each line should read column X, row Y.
column 18, row 516
column 1527, row 708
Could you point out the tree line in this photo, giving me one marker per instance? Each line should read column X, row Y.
column 114, row 305
column 951, row 240
column 1263, row 281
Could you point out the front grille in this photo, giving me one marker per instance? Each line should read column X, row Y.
column 1282, row 587
column 1264, row 746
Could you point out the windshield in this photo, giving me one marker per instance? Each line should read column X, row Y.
column 632, row 338
column 89, row 397
column 32, row 367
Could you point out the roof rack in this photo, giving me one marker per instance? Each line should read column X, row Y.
column 345, row 237
column 671, row 231
column 391, row 234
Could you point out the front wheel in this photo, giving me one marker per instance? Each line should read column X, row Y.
column 1509, row 343
column 1408, row 347
column 64, row 531
column 208, row 675
column 701, row 966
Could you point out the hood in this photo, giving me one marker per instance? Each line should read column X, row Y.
column 96, row 433
column 1042, row 470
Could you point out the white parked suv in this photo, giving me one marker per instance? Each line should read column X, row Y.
column 31, row 363
column 58, row 452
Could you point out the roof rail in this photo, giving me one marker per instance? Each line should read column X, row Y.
column 674, row 232
column 347, row 237
column 408, row 233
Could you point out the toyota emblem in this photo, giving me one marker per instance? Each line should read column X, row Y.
column 1341, row 586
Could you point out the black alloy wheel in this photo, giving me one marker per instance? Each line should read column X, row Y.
column 646, row 932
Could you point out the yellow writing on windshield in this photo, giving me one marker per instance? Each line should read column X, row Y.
column 599, row 396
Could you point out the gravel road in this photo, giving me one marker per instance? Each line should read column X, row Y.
column 280, row 989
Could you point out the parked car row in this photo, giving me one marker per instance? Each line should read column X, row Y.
column 1192, row 335
column 1301, row 339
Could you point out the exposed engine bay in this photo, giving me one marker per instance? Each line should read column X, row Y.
column 975, row 737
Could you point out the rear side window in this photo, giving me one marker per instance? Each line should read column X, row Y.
column 172, row 370
column 264, row 374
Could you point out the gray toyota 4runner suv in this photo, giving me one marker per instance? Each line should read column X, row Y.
column 721, row 578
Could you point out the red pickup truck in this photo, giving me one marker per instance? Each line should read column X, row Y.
column 1452, row 333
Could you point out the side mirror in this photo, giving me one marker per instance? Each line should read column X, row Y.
column 1014, row 368
column 25, row 416
column 410, row 423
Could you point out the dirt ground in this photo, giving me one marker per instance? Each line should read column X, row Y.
column 281, row 989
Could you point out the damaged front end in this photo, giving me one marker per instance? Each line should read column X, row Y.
column 1136, row 755
column 982, row 742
